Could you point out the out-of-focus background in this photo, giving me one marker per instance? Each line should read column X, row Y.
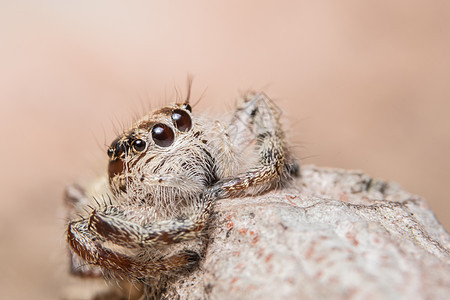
column 363, row 85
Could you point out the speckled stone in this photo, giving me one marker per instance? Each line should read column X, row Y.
column 335, row 234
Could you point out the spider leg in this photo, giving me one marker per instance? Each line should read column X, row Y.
column 132, row 235
column 89, row 248
column 75, row 199
column 257, row 119
column 254, row 115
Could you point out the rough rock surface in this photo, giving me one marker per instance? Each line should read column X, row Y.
column 338, row 234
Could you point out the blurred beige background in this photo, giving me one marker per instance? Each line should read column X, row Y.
column 363, row 84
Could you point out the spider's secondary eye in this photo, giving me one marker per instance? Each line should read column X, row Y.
column 116, row 149
column 139, row 145
column 162, row 135
column 182, row 120
column 110, row 152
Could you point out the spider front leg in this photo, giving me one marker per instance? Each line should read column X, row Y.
column 86, row 238
column 89, row 247
column 131, row 235
column 75, row 199
column 257, row 119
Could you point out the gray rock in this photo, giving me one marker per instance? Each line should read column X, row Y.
column 336, row 234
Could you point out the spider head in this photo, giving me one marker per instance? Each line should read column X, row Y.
column 146, row 146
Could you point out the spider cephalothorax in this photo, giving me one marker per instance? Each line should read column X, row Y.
column 165, row 161
column 164, row 174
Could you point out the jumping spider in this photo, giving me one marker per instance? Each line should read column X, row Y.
column 164, row 175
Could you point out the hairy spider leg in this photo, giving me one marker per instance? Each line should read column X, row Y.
column 132, row 235
column 85, row 245
column 257, row 116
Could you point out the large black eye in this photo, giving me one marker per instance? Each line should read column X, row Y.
column 182, row 120
column 139, row 145
column 116, row 149
column 162, row 135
